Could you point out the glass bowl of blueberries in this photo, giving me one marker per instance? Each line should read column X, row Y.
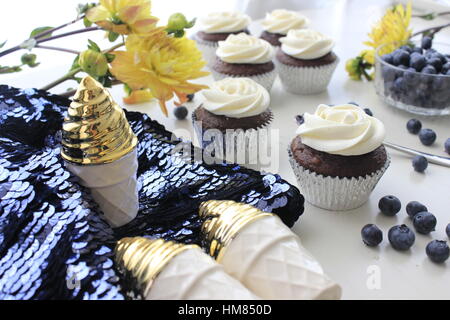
column 415, row 77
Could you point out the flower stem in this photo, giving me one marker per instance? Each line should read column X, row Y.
column 66, row 77
column 114, row 47
column 70, row 93
column 57, row 49
column 50, row 31
column 432, row 30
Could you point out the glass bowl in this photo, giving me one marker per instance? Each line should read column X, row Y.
column 415, row 92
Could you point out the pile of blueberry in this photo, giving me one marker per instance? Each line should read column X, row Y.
column 401, row 237
column 410, row 82
column 181, row 112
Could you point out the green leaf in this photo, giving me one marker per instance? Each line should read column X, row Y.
column 3, row 44
column 93, row 46
column 35, row 33
column 86, row 22
column 83, row 8
column 75, row 64
column 112, row 36
column 110, row 57
column 28, row 44
column 127, row 89
column 190, row 24
column 6, row 69
column 29, row 59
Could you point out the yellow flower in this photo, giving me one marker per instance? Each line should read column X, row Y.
column 160, row 63
column 138, row 96
column 123, row 16
column 393, row 27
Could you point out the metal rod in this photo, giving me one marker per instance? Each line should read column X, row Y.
column 442, row 161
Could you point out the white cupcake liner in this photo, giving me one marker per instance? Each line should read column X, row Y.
column 265, row 79
column 248, row 144
column 306, row 80
column 334, row 193
column 208, row 49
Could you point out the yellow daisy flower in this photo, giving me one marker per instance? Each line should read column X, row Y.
column 160, row 63
column 123, row 16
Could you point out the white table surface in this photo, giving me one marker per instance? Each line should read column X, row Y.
column 334, row 238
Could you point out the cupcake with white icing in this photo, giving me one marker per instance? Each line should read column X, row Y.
column 233, row 112
column 217, row 26
column 338, row 156
column 243, row 55
column 306, row 61
column 278, row 22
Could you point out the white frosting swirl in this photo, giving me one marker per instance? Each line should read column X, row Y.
column 306, row 44
column 281, row 21
column 236, row 98
column 244, row 48
column 344, row 130
column 223, row 22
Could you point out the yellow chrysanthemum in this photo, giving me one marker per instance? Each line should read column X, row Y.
column 138, row 96
column 392, row 31
column 160, row 63
column 123, row 16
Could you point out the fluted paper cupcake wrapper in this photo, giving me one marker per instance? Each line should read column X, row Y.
column 306, row 80
column 265, row 79
column 193, row 275
column 247, row 146
column 269, row 259
column 208, row 49
column 113, row 187
column 334, row 193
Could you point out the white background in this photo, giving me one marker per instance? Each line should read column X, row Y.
column 334, row 238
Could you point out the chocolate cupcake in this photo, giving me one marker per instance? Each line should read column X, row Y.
column 278, row 22
column 217, row 26
column 231, row 119
column 338, row 156
column 305, row 61
column 243, row 55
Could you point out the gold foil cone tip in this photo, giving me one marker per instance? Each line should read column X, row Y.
column 95, row 130
column 143, row 259
column 222, row 221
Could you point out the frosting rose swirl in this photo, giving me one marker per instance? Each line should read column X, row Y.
column 306, row 44
column 223, row 22
column 281, row 21
column 236, row 98
column 244, row 48
column 344, row 130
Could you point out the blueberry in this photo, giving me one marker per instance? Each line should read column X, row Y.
column 439, row 56
column 426, row 42
column 427, row 137
column 435, row 62
column 368, row 112
column 417, row 50
column 429, row 69
column 401, row 57
column 414, row 207
column 417, row 61
column 447, row 146
column 299, row 119
column 447, row 73
column 400, row 84
column 438, row 251
column 406, row 48
column 388, row 58
column 371, row 235
column 414, row 126
column 401, row 237
column 420, row 163
column 424, row 222
column 389, row 205
column 190, row 97
column 180, row 112
column 445, row 67
column 447, row 230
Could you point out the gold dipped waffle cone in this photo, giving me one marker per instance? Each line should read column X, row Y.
column 168, row 270
column 257, row 249
column 95, row 130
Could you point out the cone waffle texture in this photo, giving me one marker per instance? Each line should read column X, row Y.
column 166, row 270
column 208, row 49
column 95, row 130
column 334, row 193
column 256, row 248
column 305, row 80
column 265, row 79
column 113, row 186
column 243, row 147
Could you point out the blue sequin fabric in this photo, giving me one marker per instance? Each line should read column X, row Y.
column 54, row 242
